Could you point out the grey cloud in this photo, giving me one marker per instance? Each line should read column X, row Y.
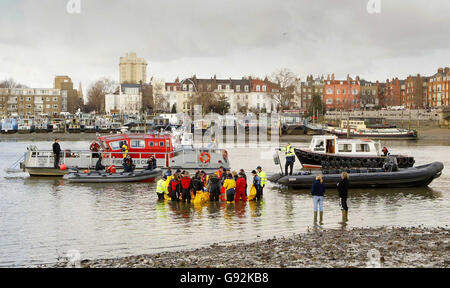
column 232, row 38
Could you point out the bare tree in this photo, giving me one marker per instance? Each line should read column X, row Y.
column 287, row 83
column 11, row 83
column 160, row 103
column 208, row 100
column 97, row 91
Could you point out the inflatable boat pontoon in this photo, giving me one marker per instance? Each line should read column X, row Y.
column 103, row 177
column 366, row 178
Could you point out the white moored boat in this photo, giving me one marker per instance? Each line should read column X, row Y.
column 140, row 148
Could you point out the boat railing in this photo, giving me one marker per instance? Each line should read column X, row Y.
column 79, row 158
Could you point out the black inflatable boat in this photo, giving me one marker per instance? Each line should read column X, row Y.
column 366, row 177
column 102, row 177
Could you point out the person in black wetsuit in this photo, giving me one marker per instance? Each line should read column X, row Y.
column 214, row 187
column 56, row 153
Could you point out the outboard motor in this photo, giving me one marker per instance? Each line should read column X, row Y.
column 276, row 158
column 390, row 164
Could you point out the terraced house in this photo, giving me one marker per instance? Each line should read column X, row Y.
column 242, row 94
column 438, row 90
column 312, row 86
column 414, row 95
column 342, row 94
column 369, row 97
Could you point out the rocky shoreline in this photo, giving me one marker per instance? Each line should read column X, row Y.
column 394, row 247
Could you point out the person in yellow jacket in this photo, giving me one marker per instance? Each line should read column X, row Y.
column 124, row 149
column 262, row 174
column 162, row 188
column 230, row 185
column 289, row 152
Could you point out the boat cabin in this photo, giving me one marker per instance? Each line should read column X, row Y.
column 139, row 145
column 334, row 145
column 354, row 124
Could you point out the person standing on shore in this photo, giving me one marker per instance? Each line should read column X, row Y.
column 56, row 153
column 318, row 193
column 343, row 194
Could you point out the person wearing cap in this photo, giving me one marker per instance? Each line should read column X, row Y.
column 289, row 152
column 262, row 174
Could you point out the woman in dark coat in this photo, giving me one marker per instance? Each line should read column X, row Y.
column 343, row 195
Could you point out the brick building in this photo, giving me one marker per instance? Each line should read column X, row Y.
column 342, row 94
column 392, row 95
column 369, row 97
column 438, row 90
column 415, row 93
column 309, row 88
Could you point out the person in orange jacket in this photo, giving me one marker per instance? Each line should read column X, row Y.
column 241, row 185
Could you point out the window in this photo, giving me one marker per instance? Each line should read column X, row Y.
column 238, row 88
column 161, row 144
column 264, row 88
column 137, row 144
column 258, row 88
column 228, row 87
column 246, row 88
column 319, row 146
column 362, row 148
column 329, row 91
column 115, row 145
column 345, row 148
column 150, row 143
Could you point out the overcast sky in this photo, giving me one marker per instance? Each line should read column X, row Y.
column 39, row 39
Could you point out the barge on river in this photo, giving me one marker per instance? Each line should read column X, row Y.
column 333, row 152
column 165, row 148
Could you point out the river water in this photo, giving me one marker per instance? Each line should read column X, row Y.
column 42, row 218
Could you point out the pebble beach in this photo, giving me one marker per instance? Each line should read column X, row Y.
column 332, row 248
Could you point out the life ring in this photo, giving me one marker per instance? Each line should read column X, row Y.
column 202, row 157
